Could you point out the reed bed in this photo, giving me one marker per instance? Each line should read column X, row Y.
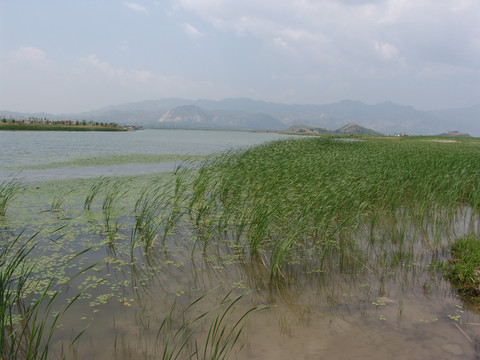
column 293, row 196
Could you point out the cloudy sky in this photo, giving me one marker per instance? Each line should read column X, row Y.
column 70, row 56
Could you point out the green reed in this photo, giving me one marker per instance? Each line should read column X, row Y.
column 8, row 191
column 325, row 189
column 27, row 325
column 185, row 339
column 94, row 190
column 149, row 207
column 58, row 200
column 113, row 195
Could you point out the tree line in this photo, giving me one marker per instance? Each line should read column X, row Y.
column 46, row 121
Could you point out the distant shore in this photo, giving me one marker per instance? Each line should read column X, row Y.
column 54, row 127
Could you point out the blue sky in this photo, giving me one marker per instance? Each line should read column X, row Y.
column 70, row 56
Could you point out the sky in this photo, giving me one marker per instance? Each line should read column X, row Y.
column 63, row 56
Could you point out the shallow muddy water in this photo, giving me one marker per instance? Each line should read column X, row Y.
column 368, row 309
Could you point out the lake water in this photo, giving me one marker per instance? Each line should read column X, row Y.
column 404, row 310
column 20, row 150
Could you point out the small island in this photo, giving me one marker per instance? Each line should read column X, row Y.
column 44, row 124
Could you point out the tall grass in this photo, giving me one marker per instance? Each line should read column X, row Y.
column 94, row 190
column 211, row 334
column 286, row 195
column 113, row 195
column 8, row 191
column 26, row 321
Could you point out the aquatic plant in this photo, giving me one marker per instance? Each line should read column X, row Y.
column 463, row 268
column 58, row 200
column 293, row 195
column 26, row 322
column 150, row 205
column 186, row 339
column 8, row 191
column 94, row 190
column 112, row 197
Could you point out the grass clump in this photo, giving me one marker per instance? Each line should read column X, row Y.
column 464, row 268
column 8, row 191
column 28, row 318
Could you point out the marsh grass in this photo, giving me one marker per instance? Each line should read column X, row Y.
column 8, row 192
column 463, row 269
column 323, row 191
column 212, row 334
column 113, row 196
column 95, row 188
column 58, row 200
column 27, row 325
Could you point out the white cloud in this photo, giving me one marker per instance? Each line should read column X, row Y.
column 387, row 52
column 191, row 31
column 338, row 35
column 136, row 7
column 28, row 54
column 117, row 74
column 144, row 81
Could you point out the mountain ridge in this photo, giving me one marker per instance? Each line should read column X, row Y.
column 249, row 114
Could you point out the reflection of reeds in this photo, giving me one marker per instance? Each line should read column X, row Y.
column 213, row 334
column 8, row 191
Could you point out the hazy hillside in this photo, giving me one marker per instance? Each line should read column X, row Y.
column 248, row 114
column 192, row 116
column 355, row 129
column 463, row 118
column 454, row 134
column 349, row 129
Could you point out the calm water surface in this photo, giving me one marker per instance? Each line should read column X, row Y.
column 19, row 149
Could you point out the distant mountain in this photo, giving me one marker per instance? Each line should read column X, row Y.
column 349, row 129
column 248, row 114
column 186, row 115
column 454, row 134
column 305, row 129
column 461, row 119
column 192, row 116
column 354, row 129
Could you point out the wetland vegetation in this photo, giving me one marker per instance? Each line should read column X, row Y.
column 333, row 239
column 44, row 124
